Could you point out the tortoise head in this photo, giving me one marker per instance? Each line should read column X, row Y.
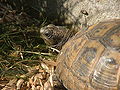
column 52, row 35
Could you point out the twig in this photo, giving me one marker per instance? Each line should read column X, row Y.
column 38, row 53
column 54, row 49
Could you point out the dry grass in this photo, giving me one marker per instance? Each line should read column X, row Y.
column 26, row 63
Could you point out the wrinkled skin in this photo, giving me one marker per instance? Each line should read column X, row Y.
column 55, row 36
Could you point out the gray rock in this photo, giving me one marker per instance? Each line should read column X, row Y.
column 98, row 10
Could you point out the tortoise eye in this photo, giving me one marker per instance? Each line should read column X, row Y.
column 47, row 33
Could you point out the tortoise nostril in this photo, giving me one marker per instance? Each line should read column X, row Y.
column 42, row 31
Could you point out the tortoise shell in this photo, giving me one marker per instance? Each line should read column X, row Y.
column 91, row 60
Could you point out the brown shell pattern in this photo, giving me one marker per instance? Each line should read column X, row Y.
column 91, row 61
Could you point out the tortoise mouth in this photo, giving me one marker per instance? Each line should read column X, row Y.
column 47, row 40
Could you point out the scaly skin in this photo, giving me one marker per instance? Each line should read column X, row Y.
column 56, row 36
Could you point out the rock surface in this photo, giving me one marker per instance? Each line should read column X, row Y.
column 98, row 10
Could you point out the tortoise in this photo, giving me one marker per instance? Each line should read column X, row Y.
column 56, row 36
column 91, row 60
